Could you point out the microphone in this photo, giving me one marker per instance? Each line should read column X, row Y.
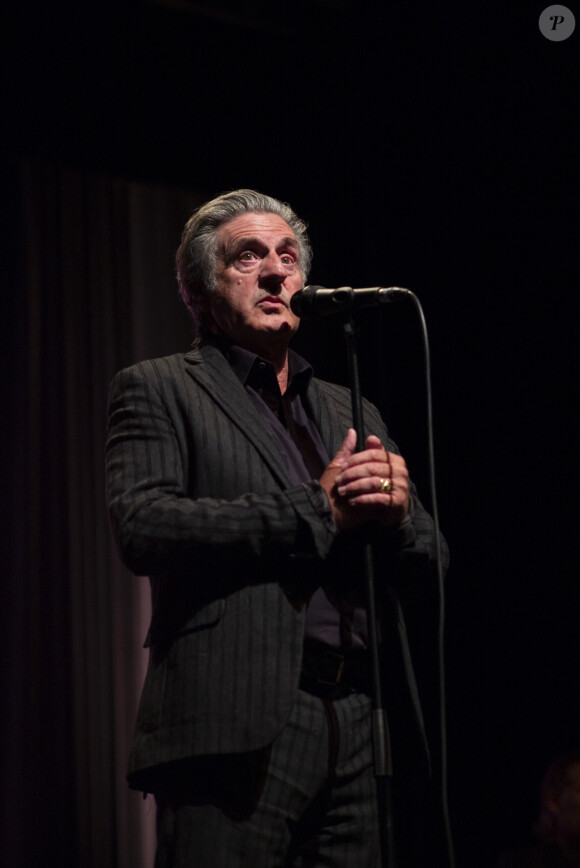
column 314, row 301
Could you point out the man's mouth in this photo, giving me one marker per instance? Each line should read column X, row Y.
column 272, row 299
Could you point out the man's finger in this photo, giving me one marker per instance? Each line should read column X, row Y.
column 345, row 449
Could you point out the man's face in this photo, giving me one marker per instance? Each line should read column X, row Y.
column 257, row 274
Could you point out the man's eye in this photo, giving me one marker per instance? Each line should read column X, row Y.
column 247, row 256
column 288, row 260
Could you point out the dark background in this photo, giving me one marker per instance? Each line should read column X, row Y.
column 432, row 146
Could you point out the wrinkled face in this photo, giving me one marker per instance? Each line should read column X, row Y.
column 257, row 274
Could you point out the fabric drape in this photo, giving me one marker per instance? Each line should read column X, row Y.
column 91, row 289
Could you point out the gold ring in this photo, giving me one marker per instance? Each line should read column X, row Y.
column 386, row 485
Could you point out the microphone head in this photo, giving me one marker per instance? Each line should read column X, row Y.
column 314, row 300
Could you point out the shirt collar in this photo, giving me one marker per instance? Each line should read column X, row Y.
column 244, row 363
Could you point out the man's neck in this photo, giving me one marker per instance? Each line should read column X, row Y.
column 278, row 358
column 274, row 352
column 282, row 377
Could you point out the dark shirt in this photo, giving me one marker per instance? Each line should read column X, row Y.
column 335, row 618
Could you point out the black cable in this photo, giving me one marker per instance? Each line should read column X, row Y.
column 441, row 589
column 317, row 301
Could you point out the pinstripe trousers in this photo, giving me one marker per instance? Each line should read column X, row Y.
column 307, row 800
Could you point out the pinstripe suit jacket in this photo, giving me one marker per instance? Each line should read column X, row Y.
column 201, row 502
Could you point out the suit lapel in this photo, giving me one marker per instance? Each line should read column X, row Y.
column 331, row 428
column 212, row 372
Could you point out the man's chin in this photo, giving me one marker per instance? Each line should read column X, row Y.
column 275, row 324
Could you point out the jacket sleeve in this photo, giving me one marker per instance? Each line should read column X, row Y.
column 409, row 556
column 160, row 521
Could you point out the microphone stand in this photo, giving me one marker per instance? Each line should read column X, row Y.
column 383, row 764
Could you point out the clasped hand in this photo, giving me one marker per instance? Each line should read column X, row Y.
column 371, row 485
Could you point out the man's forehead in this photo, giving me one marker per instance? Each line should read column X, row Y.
column 255, row 225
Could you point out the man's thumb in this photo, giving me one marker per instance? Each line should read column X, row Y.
column 345, row 449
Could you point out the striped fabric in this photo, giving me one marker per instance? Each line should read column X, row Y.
column 308, row 800
column 200, row 501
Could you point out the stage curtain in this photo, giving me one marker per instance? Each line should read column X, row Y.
column 89, row 288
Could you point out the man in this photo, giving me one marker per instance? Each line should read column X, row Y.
column 235, row 484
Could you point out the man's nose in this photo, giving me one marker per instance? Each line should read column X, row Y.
column 273, row 269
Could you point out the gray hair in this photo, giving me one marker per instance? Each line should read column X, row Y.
column 196, row 257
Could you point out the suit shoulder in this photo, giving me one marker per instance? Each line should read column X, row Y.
column 331, row 390
column 153, row 369
column 341, row 397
